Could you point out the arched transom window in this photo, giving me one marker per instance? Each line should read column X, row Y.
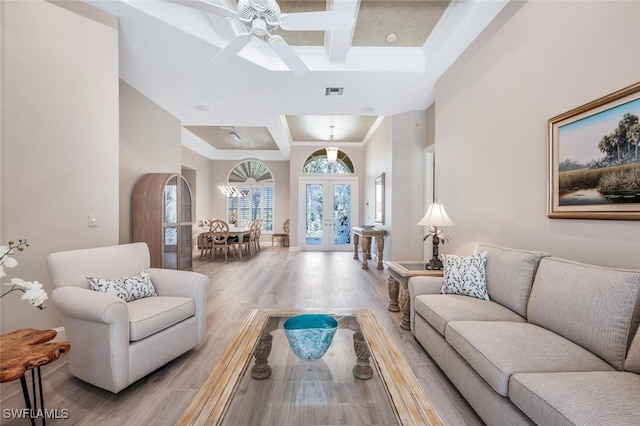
column 255, row 182
column 317, row 163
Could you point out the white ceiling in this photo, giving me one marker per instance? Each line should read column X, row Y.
column 166, row 50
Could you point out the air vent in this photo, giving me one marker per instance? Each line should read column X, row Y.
column 333, row 91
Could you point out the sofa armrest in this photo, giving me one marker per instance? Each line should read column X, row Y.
column 168, row 282
column 419, row 286
column 97, row 326
column 88, row 305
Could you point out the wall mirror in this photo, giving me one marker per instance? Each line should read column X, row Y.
column 379, row 217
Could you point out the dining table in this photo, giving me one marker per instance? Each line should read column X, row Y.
column 234, row 231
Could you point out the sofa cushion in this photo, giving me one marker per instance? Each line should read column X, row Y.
column 632, row 363
column 595, row 307
column 589, row 398
column 498, row 349
column 439, row 309
column 150, row 315
column 510, row 275
column 465, row 275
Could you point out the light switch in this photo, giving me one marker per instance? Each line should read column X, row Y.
column 93, row 220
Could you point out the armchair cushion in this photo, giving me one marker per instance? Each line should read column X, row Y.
column 129, row 288
column 150, row 315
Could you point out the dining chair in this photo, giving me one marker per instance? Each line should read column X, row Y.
column 219, row 238
column 256, row 240
column 248, row 241
column 283, row 236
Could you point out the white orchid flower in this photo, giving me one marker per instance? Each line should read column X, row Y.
column 5, row 259
column 33, row 291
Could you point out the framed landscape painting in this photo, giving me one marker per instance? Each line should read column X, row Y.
column 594, row 159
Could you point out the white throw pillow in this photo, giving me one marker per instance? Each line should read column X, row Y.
column 128, row 288
column 465, row 275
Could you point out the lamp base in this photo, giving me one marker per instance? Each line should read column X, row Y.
column 434, row 264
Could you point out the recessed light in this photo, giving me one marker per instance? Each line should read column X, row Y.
column 391, row 38
column 366, row 110
column 202, row 108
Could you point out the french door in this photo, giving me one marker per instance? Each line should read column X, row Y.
column 327, row 207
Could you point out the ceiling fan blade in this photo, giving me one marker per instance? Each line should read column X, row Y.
column 208, row 7
column 288, row 56
column 317, row 21
column 231, row 49
column 260, row 4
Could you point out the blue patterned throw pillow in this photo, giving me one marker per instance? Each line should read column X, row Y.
column 128, row 288
column 465, row 275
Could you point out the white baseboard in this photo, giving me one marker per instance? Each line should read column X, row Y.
column 294, row 248
column 62, row 335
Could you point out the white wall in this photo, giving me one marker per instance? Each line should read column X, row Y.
column 397, row 150
column 407, row 184
column 536, row 60
column 202, row 189
column 149, row 143
column 59, row 139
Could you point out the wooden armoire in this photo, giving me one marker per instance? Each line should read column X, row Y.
column 162, row 218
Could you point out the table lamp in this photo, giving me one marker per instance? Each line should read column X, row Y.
column 435, row 217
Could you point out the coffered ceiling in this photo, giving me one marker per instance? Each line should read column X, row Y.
column 386, row 64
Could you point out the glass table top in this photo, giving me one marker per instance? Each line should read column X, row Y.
column 361, row 379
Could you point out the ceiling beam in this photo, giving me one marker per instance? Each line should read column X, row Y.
column 338, row 43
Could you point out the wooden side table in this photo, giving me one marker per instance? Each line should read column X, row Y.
column 399, row 274
column 27, row 349
column 367, row 234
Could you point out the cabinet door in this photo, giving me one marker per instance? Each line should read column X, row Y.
column 185, row 260
column 171, row 237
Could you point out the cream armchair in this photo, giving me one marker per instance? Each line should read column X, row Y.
column 114, row 343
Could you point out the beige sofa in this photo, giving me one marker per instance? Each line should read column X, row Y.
column 554, row 346
column 114, row 343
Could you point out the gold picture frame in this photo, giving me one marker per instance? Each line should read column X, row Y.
column 379, row 199
column 594, row 159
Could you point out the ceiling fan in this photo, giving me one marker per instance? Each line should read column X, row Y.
column 261, row 17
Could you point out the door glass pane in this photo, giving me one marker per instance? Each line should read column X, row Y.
column 171, row 201
column 342, row 214
column 314, row 214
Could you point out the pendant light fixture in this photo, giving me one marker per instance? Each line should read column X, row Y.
column 332, row 150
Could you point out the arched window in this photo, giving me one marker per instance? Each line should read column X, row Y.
column 255, row 183
column 317, row 163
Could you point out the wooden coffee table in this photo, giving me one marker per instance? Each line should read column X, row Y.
column 362, row 379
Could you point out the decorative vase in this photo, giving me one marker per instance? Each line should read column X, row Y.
column 310, row 335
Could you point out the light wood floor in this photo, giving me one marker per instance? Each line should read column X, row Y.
column 274, row 278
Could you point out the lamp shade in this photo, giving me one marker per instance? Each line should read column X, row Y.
column 436, row 216
column 332, row 154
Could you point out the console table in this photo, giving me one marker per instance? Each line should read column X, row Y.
column 399, row 274
column 367, row 234
column 28, row 349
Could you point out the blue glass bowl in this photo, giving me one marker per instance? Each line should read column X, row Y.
column 310, row 335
